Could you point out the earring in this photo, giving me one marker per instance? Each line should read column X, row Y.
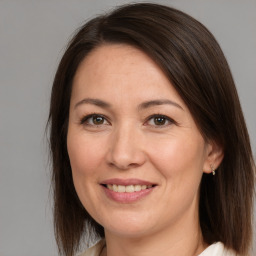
column 212, row 169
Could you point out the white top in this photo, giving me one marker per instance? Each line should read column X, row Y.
column 216, row 249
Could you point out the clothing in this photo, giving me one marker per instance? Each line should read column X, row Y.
column 94, row 250
column 216, row 249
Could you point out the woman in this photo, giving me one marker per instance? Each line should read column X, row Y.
column 149, row 146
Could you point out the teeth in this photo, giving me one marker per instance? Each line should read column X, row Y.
column 143, row 187
column 137, row 187
column 115, row 188
column 128, row 189
column 121, row 188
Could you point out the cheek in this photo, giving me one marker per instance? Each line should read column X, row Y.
column 85, row 154
column 85, row 159
column 180, row 162
column 179, row 156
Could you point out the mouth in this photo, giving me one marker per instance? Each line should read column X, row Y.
column 128, row 188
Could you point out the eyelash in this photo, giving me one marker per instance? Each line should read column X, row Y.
column 84, row 120
column 166, row 118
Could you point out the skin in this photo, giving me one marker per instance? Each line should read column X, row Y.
column 128, row 143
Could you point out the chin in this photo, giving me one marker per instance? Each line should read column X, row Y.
column 133, row 232
column 128, row 226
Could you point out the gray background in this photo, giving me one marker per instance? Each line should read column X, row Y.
column 33, row 35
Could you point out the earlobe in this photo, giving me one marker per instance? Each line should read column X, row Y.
column 214, row 157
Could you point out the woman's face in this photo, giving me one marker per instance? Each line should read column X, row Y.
column 136, row 154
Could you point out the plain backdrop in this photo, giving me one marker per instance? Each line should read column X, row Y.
column 33, row 36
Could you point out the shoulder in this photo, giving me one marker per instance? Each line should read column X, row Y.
column 94, row 250
column 217, row 249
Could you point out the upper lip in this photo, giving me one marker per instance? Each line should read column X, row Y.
column 126, row 182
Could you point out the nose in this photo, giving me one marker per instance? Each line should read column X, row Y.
column 126, row 149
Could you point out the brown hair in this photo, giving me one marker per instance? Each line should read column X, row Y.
column 194, row 63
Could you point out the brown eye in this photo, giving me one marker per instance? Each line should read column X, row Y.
column 159, row 120
column 98, row 120
column 94, row 120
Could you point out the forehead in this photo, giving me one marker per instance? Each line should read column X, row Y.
column 114, row 59
column 118, row 70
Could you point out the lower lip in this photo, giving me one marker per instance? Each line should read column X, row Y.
column 127, row 197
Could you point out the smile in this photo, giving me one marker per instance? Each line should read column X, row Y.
column 127, row 189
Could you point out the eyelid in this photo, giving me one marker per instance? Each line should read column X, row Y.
column 169, row 119
column 86, row 117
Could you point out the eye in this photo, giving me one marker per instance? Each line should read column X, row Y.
column 159, row 120
column 94, row 120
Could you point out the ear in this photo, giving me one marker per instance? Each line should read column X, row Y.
column 214, row 156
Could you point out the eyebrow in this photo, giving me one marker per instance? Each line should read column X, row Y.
column 96, row 102
column 151, row 103
column 144, row 105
